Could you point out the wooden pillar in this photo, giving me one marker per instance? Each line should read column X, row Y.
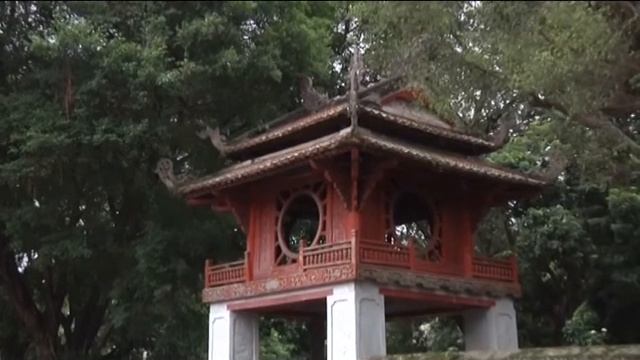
column 354, row 213
column 465, row 230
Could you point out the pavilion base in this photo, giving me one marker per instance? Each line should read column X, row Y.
column 232, row 335
column 492, row 329
column 347, row 320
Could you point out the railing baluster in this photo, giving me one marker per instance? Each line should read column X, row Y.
column 495, row 269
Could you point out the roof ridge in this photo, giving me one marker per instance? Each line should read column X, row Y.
column 301, row 111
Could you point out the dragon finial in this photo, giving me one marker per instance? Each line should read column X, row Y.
column 216, row 138
column 164, row 169
column 355, row 75
column 312, row 99
column 501, row 136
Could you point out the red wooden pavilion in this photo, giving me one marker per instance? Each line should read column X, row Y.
column 355, row 209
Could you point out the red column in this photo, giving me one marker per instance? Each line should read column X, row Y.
column 353, row 226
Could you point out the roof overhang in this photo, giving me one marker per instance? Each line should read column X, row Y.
column 346, row 140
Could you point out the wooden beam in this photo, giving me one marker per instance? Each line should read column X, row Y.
column 335, row 177
column 200, row 201
column 220, row 204
column 424, row 313
column 355, row 175
column 436, row 298
column 375, row 177
column 240, row 208
column 280, row 300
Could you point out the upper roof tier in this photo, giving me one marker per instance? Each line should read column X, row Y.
column 381, row 119
column 382, row 107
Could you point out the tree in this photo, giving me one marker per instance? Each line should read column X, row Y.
column 96, row 259
column 565, row 73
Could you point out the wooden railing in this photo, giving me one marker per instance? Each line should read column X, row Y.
column 325, row 255
column 370, row 253
column 380, row 253
column 495, row 269
column 229, row 273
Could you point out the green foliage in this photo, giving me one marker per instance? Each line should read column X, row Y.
column 98, row 261
column 282, row 339
column 474, row 57
column 442, row 334
column 92, row 94
column 422, row 335
column 582, row 329
column 274, row 347
column 533, row 63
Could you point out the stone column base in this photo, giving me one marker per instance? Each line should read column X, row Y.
column 355, row 322
column 232, row 335
column 492, row 329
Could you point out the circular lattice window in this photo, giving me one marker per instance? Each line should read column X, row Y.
column 411, row 218
column 300, row 222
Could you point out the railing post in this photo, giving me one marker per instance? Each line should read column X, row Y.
column 207, row 263
column 301, row 255
column 248, row 266
column 514, row 269
column 355, row 257
column 412, row 254
column 468, row 264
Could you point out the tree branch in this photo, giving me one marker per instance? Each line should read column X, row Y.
column 593, row 120
column 597, row 121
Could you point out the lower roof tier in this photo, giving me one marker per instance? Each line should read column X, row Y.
column 365, row 140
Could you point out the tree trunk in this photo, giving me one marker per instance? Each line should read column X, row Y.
column 42, row 333
column 45, row 349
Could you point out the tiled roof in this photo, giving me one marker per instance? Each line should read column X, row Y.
column 362, row 138
column 300, row 120
column 286, row 128
column 451, row 134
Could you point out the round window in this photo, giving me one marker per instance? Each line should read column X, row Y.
column 299, row 223
column 413, row 220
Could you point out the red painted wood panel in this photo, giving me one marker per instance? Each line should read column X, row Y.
column 264, row 235
column 339, row 218
column 372, row 217
column 457, row 216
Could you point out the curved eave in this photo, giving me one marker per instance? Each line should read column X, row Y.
column 445, row 160
column 251, row 169
column 237, row 147
column 480, row 146
column 465, row 142
column 343, row 140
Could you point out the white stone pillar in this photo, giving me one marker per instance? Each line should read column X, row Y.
column 492, row 329
column 232, row 335
column 355, row 322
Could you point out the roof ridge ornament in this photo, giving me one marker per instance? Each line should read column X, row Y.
column 312, row 99
column 216, row 138
column 164, row 169
column 355, row 76
column 501, row 136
